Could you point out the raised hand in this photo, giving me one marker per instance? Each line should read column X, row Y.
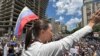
column 95, row 18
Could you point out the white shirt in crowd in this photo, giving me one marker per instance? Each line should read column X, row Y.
column 96, row 35
column 5, row 52
column 55, row 48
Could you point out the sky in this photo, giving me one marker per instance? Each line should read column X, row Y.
column 67, row 12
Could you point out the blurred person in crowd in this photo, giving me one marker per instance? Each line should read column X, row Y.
column 5, row 50
column 16, row 48
column 1, row 50
column 11, row 51
column 42, row 30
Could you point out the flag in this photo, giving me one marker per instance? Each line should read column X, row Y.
column 25, row 16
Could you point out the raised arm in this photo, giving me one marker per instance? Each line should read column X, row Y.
column 94, row 19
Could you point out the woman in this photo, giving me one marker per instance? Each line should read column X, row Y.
column 43, row 34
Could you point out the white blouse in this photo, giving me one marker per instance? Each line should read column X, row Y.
column 55, row 48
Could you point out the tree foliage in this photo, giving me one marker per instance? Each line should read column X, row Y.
column 75, row 29
column 96, row 28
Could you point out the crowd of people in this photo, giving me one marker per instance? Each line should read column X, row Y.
column 10, row 47
column 88, row 46
column 85, row 47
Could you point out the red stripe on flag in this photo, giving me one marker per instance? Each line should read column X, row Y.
column 25, row 20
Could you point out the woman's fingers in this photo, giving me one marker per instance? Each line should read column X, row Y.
column 95, row 17
column 97, row 12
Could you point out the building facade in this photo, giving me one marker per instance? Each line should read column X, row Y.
column 10, row 9
column 63, row 28
column 89, row 7
column 55, row 25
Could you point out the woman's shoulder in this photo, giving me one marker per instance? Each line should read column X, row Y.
column 36, row 43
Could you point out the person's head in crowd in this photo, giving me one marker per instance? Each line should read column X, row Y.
column 42, row 32
column 11, row 46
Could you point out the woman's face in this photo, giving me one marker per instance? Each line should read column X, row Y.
column 48, row 34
